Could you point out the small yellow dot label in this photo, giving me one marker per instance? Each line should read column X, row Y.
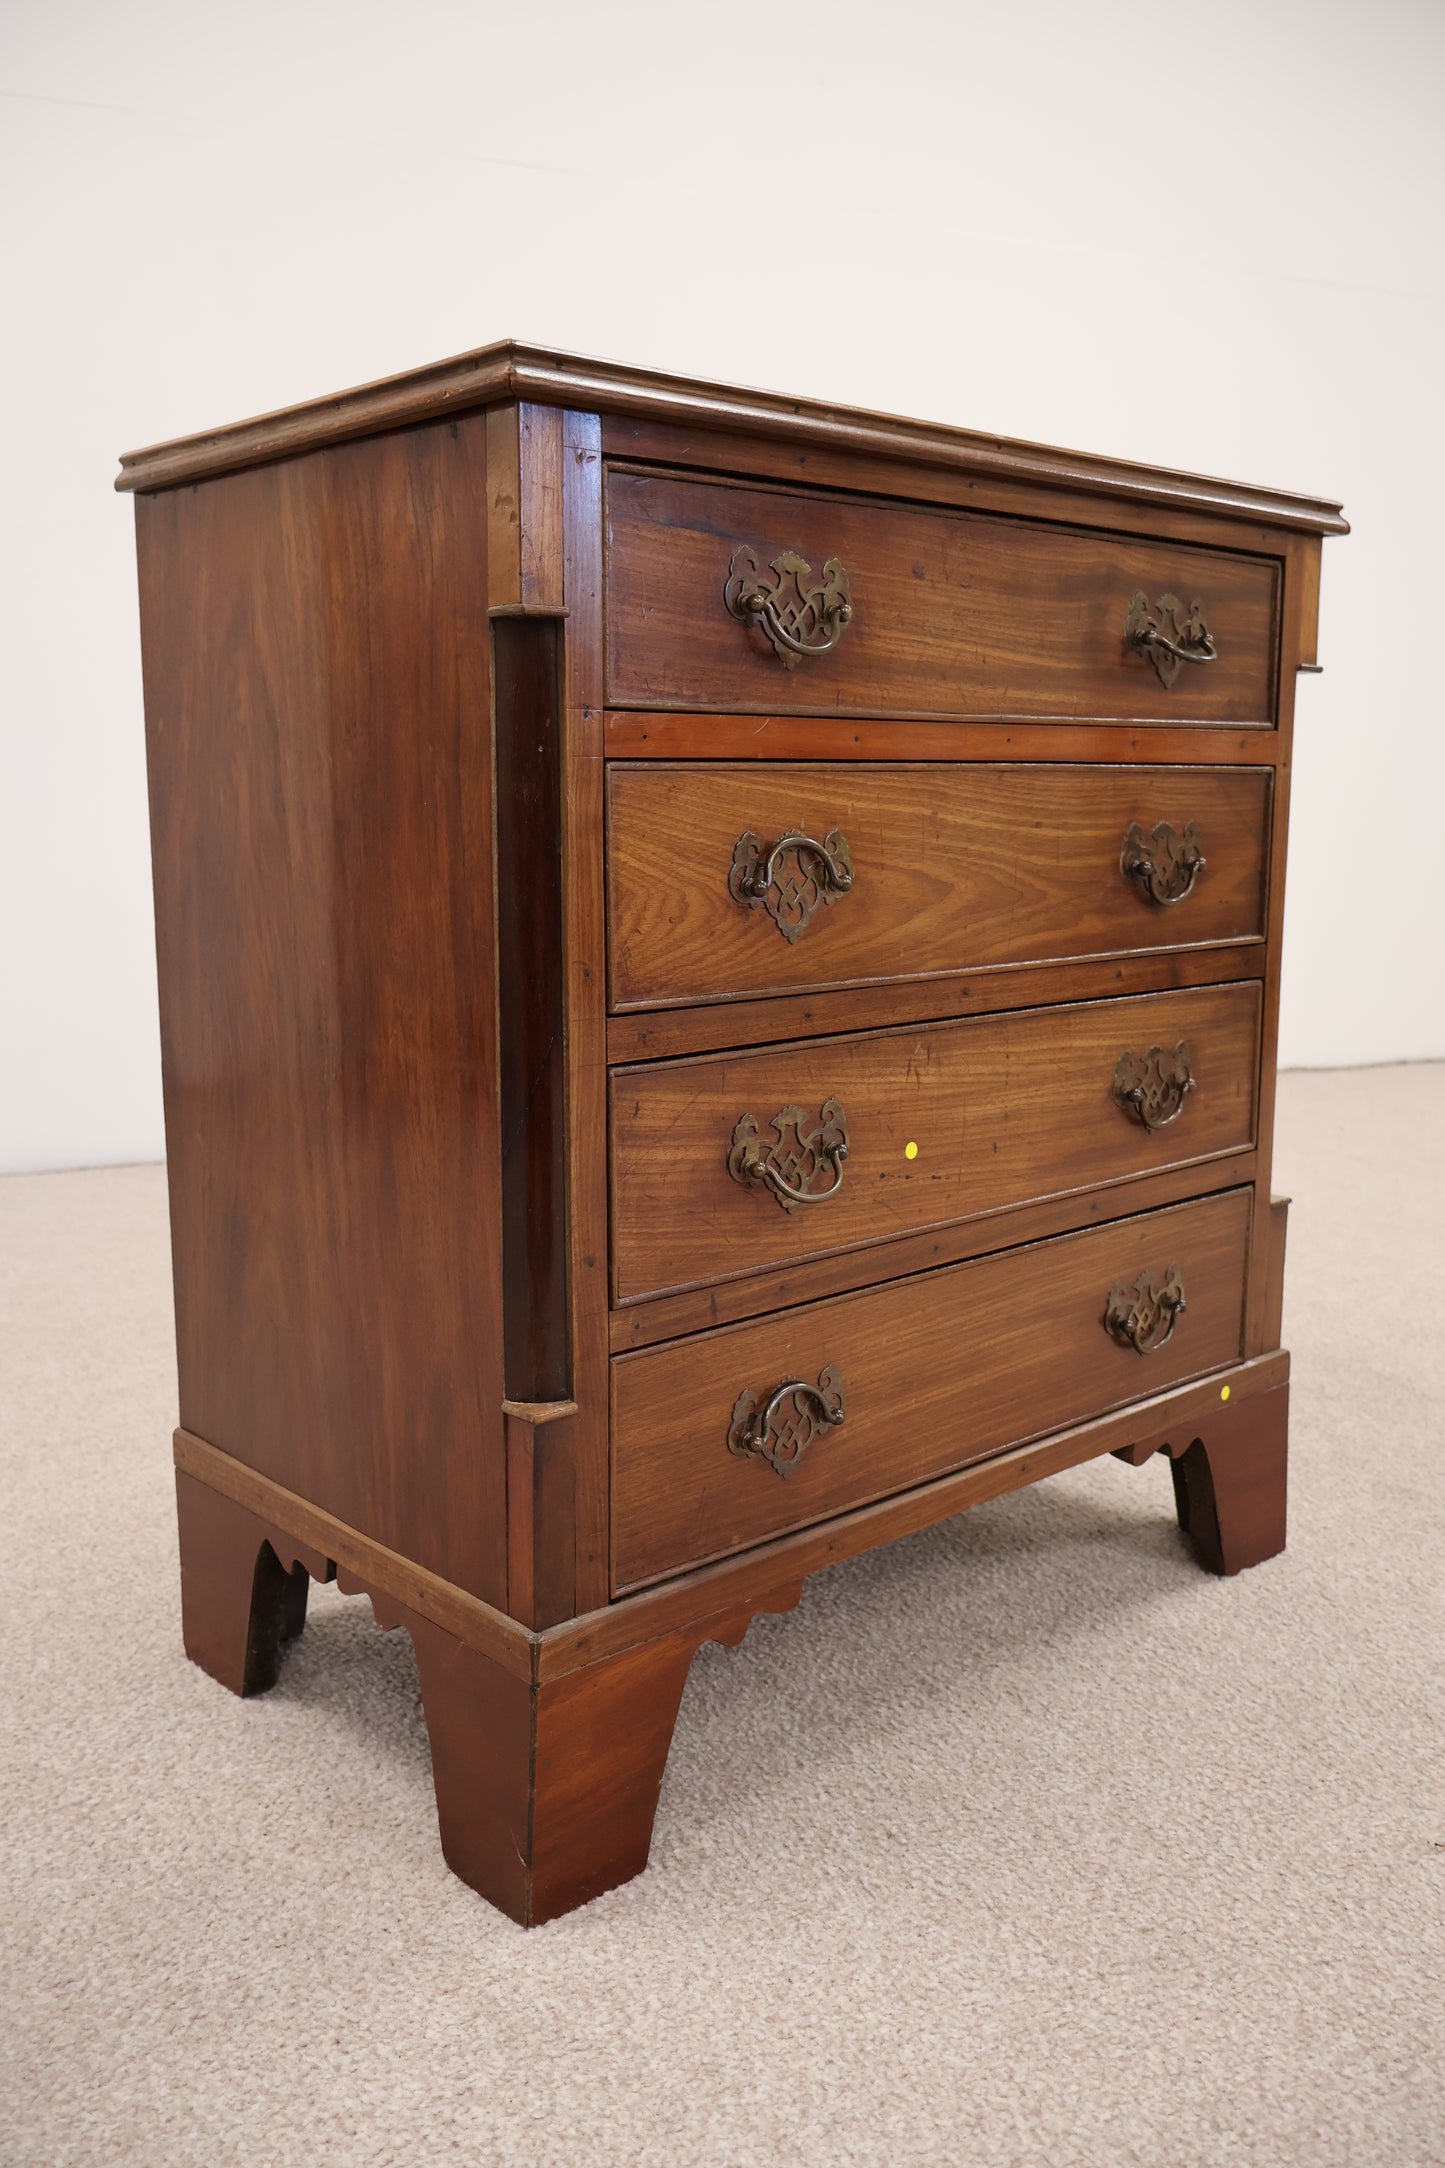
column 910, row 1150
column 1224, row 1392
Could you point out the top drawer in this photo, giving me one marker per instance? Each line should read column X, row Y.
column 930, row 613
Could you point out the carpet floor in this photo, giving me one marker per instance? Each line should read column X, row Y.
column 1022, row 1842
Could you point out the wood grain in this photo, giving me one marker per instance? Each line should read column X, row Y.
column 649, row 734
column 388, row 1011
column 546, row 1794
column 510, row 369
column 541, row 1510
column 953, row 614
column 1022, row 492
column 242, row 1600
column 585, row 1021
column 1231, row 1482
column 1271, row 1270
column 545, row 1791
column 524, row 459
column 316, row 647
column 315, row 1533
column 1301, row 601
column 955, row 869
column 656, row 1034
column 932, row 1369
column 547, row 1784
column 998, row 1111
column 1303, row 568
column 714, row 1600
column 767, row 1577
column 761, row 1294
column 530, row 1009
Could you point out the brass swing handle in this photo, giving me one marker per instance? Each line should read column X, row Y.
column 1153, row 1086
column 1165, row 864
column 1168, row 634
column 758, row 1165
column 800, row 615
column 753, row 875
column 757, row 1434
column 1142, row 1314
column 792, row 879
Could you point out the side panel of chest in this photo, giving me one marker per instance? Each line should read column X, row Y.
column 318, row 707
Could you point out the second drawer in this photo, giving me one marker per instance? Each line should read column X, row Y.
column 743, row 1162
column 726, row 880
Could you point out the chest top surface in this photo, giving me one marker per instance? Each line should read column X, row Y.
column 511, row 369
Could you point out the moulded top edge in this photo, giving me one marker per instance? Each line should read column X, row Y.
column 509, row 369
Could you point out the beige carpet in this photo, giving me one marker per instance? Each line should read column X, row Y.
column 1022, row 1842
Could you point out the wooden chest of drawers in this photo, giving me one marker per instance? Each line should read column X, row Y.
column 719, row 965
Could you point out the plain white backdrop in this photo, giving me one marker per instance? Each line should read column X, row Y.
column 1206, row 235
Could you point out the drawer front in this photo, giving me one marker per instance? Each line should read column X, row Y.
column 908, row 870
column 921, row 612
column 744, row 1162
column 928, row 1374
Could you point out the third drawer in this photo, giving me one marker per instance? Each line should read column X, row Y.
column 738, row 1163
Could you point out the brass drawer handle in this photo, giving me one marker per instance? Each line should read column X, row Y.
column 760, row 1431
column 1168, row 634
column 793, row 878
column 1165, row 864
column 1143, row 1315
column 800, row 1154
column 1153, row 1086
column 800, row 616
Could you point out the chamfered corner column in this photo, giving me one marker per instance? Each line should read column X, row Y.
column 240, row 1604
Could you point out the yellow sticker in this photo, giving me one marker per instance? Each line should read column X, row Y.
column 1224, row 1392
column 910, row 1151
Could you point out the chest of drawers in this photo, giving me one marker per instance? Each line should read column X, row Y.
column 719, row 965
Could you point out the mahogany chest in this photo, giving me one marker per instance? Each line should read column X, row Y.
column 719, row 965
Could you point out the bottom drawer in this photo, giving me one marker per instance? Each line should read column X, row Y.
column 903, row 1382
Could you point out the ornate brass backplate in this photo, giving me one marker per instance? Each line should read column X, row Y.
column 1153, row 1086
column 793, row 878
column 1168, row 634
column 780, row 1429
column 800, row 615
column 1165, row 864
column 1142, row 1314
column 799, row 1155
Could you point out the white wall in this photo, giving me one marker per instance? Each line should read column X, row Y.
column 1204, row 234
